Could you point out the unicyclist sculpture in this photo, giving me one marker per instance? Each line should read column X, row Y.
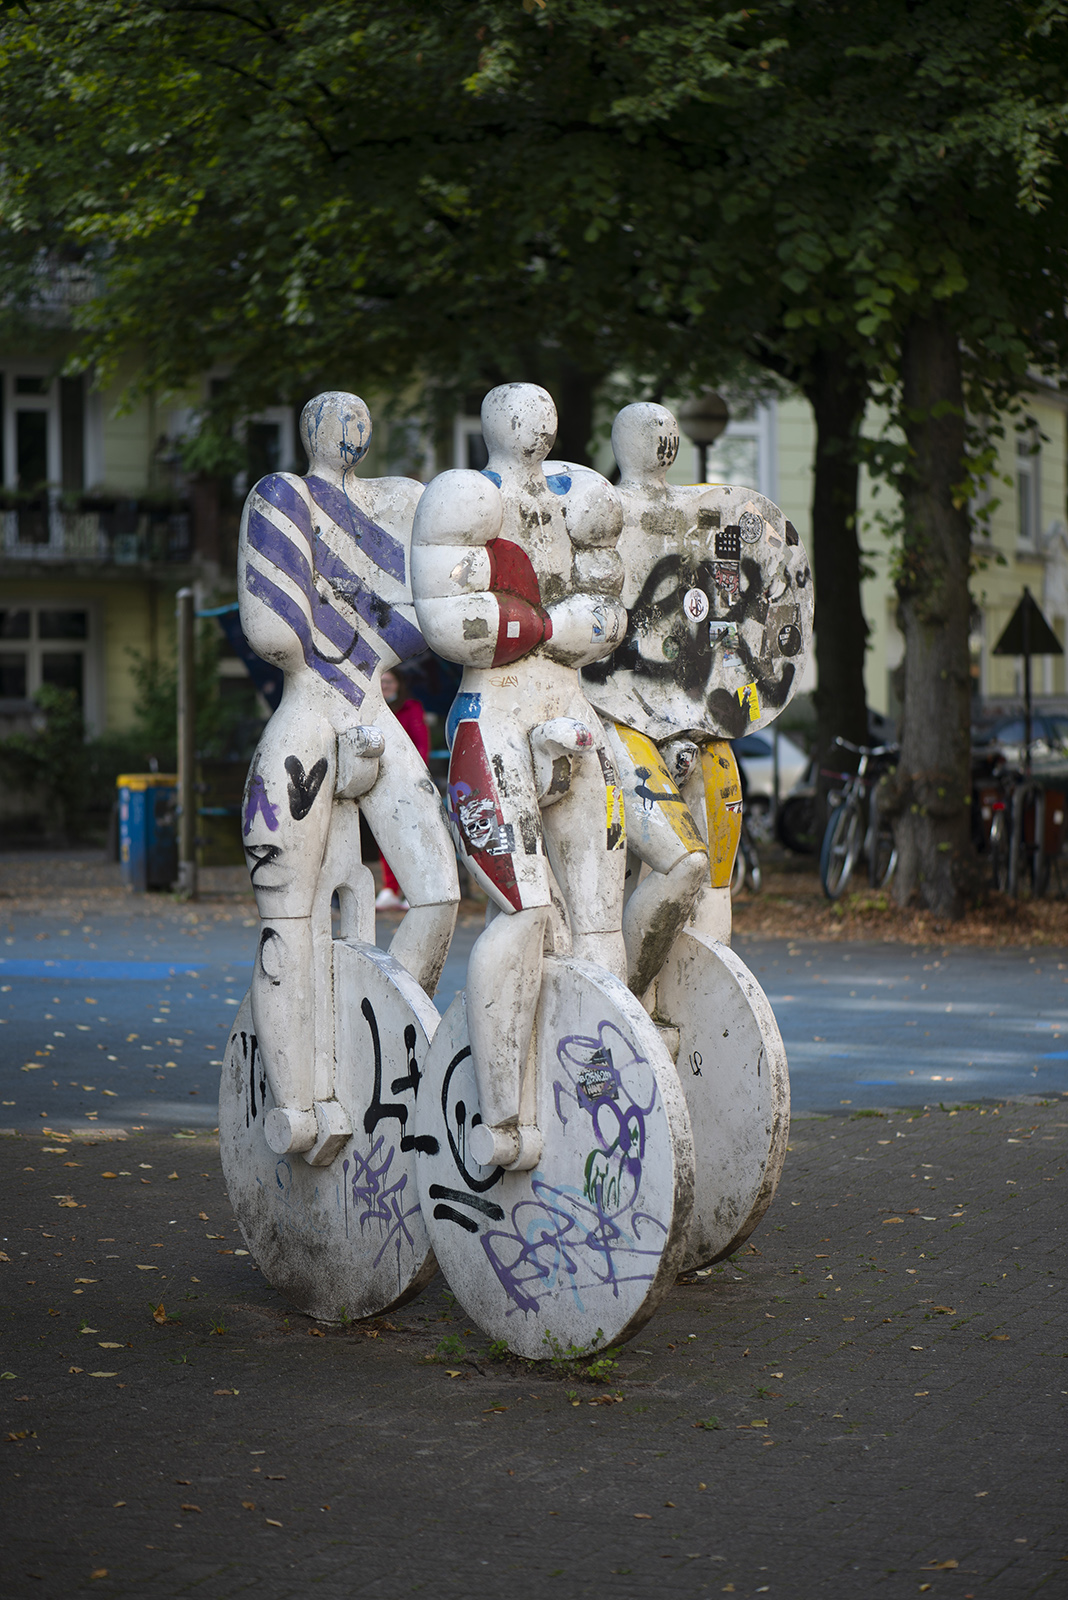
column 719, row 600
column 559, row 1192
column 317, row 1124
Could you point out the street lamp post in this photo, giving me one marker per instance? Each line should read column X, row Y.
column 187, row 804
column 702, row 420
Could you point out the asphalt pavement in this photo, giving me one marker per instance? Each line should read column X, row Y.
column 867, row 1400
column 120, row 1017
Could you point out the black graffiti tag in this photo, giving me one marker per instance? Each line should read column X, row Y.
column 378, row 1110
column 303, row 788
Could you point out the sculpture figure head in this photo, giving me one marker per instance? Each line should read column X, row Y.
column 645, row 440
column 335, row 430
column 519, row 425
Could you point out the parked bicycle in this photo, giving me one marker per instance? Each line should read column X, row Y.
column 1026, row 832
column 747, row 873
column 857, row 825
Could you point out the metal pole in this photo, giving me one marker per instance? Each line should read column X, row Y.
column 774, row 778
column 1027, row 680
column 187, row 746
column 702, row 463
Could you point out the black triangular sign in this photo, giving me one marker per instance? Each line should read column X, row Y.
column 1028, row 632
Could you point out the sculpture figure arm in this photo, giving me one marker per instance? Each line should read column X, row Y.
column 476, row 596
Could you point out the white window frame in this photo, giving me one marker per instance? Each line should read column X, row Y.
column 763, row 426
column 1028, row 491
column 47, row 402
column 91, row 649
column 283, row 416
column 464, row 428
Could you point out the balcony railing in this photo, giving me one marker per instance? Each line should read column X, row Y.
column 124, row 534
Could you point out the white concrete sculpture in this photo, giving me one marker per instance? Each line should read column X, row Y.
column 319, row 1091
column 539, row 1140
column 719, row 598
column 515, row 576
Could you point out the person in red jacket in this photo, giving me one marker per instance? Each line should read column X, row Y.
column 409, row 713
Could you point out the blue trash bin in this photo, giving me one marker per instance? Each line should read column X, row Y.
column 148, row 830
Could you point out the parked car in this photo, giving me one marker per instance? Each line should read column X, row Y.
column 756, row 759
column 1005, row 738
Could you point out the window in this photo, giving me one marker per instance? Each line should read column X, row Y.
column 45, row 644
column 269, row 439
column 1028, row 491
column 31, row 432
column 469, row 447
column 744, row 454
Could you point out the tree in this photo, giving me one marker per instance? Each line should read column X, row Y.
column 833, row 188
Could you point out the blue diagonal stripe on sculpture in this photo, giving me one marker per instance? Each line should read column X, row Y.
column 259, row 585
column 271, row 542
column 287, row 498
column 401, row 635
column 386, row 551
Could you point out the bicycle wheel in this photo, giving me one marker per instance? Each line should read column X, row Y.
column 999, row 849
column 739, row 872
column 882, row 853
column 841, row 843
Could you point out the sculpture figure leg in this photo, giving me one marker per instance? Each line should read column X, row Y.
column 286, row 816
column 588, row 856
column 662, row 833
column 403, row 810
column 713, row 792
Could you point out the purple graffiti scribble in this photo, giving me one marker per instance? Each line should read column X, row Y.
column 383, row 1201
column 256, row 801
column 573, row 1240
column 559, row 1243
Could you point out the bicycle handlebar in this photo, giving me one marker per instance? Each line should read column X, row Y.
column 868, row 750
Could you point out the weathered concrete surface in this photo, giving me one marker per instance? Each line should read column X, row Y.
column 877, row 1459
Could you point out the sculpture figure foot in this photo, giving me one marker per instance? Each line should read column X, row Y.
column 514, row 1146
column 289, row 1131
column 333, row 1130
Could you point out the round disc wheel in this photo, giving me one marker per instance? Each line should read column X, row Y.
column 578, row 1253
column 732, row 1066
column 346, row 1240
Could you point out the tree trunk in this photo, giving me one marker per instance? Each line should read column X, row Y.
column 837, row 394
column 932, row 793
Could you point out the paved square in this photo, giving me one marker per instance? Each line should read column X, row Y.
column 868, row 1399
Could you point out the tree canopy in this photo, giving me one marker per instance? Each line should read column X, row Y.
column 471, row 189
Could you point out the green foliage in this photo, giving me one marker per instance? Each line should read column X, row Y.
column 451, row 1348
column 49, row 761
column 711, row 1423
column 498, row 1350
column 581, row 1361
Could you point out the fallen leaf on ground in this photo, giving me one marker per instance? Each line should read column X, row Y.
column 316, row 1333
column 103, row 1374
column 108, row 1346
column 271, row 1523
column 892, row 1219
column 191, row 1508
column 117, row 1504
column 1000, row 1337
column 23, row 1433
column 99, row 1572
column 941, row 1566
column 642, row 1516
column 249, row 1505
column 171, row 1175
column 946, row 1311
column 87, row 1280
column 226, row 1391
column 451, row 1372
